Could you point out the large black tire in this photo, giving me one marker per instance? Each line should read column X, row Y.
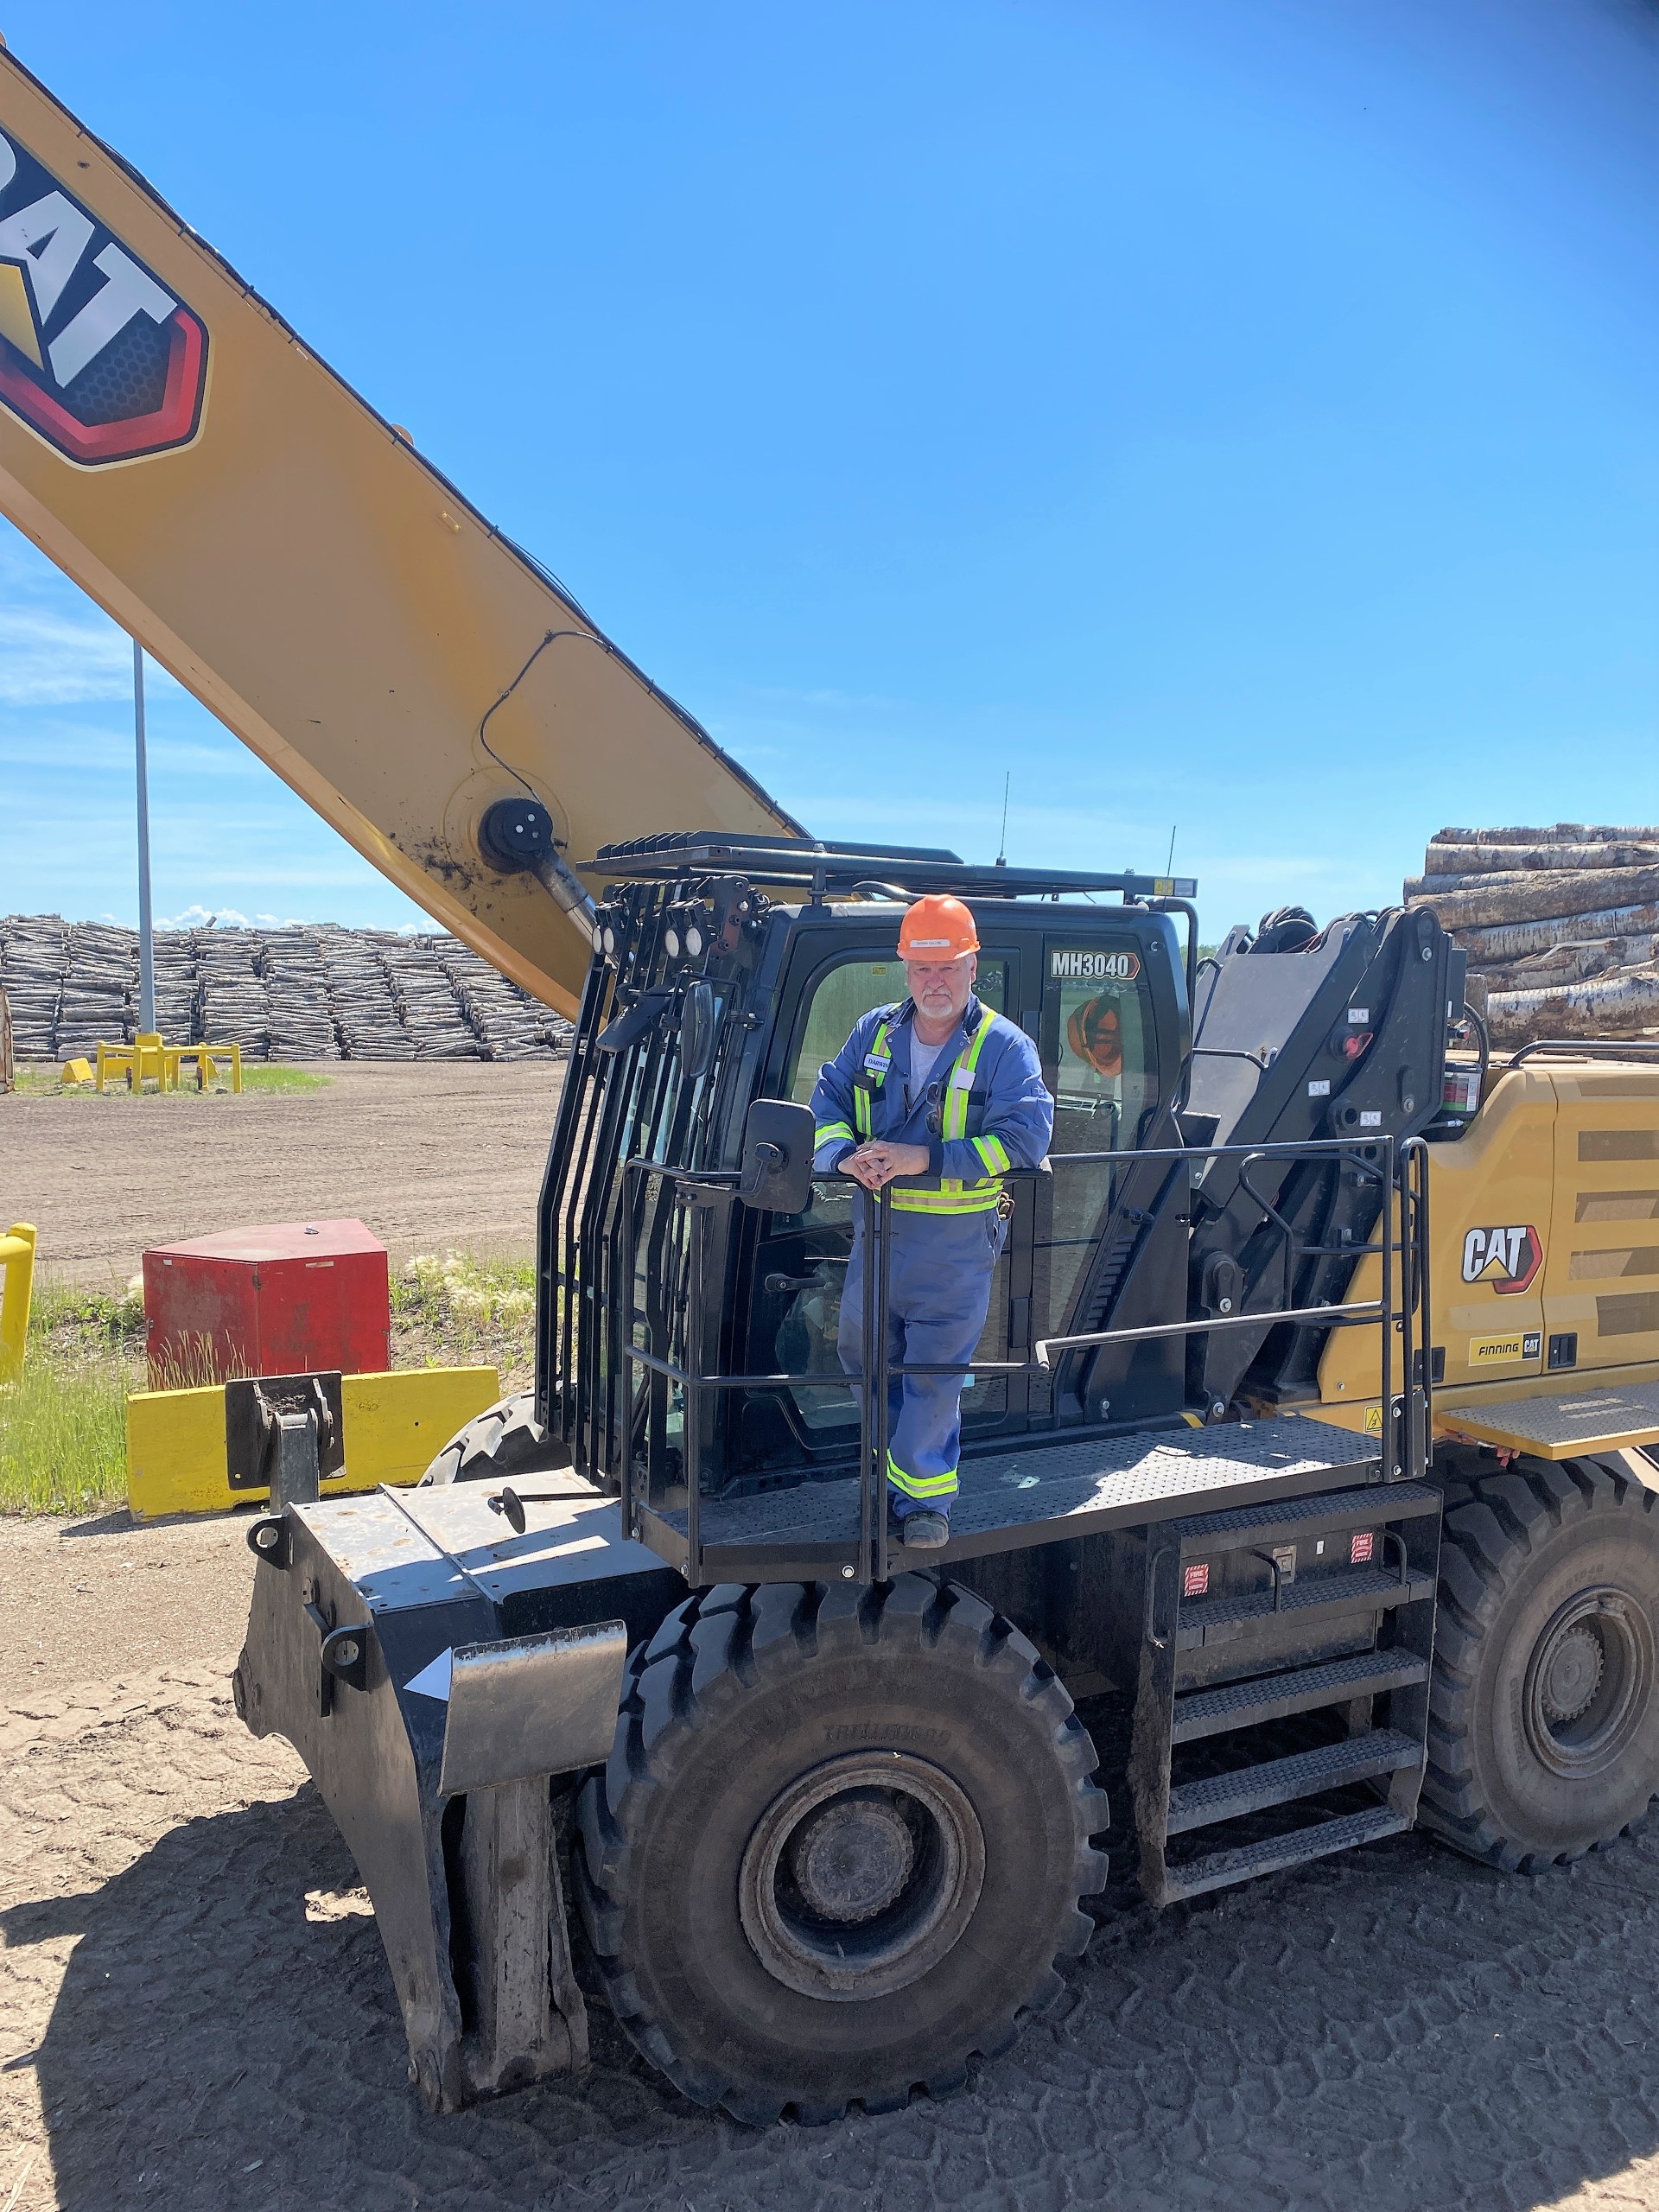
column 1543, row 1737
column 500, row 1444
column 819, row 1798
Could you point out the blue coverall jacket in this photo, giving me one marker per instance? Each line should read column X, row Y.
column 984, row 1108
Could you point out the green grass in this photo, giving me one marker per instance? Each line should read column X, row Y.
column 63, row 1437
column 63, row 1442
column 63, row 1431
column 463, row 1310
column 43, row 1083
column 273, row 1079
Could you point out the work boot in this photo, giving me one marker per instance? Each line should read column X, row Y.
column 924, row 1531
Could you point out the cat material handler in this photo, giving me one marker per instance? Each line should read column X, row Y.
column 1351, row 1515
column 643, row 1650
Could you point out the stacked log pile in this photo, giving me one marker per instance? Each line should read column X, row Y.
column 507, row 1023
column 361, row 996
column 176, row 986
column 1561, row 926
column 231, row 1005
column 296, row 992
column 32, row 949
column 427, row 1002
column 99, row 990
column 311, row 993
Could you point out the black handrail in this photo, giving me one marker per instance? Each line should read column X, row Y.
column 1401, row 1171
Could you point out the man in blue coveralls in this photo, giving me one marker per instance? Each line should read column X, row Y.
column 940, row 1087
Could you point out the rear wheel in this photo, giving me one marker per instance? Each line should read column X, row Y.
column 839, row 1844
column 1544, row 1718
column 505, row 1441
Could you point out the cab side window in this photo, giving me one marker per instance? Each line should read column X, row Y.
column 1098, row 1058
column 850, row 988
column 1103, row 1076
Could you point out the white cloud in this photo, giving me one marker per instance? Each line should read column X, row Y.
column 53, row 660
column 229, row 918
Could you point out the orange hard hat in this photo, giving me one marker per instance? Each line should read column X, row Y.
column 937, row 927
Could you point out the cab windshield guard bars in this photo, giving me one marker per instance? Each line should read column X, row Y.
column 1398, row 1170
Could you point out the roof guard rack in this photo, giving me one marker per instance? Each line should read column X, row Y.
column 829, row 868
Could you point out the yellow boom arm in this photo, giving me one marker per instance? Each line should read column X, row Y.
column 170, row 443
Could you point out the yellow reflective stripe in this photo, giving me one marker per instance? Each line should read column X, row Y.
column 955, row 1125
column 828, row 1133
column 957, row 1095
column 921, row 1485
column 953, row 1197
column 993, row 1152
column 861, row 1112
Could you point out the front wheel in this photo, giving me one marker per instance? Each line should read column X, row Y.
column 839, row 1844
column 499, row 1445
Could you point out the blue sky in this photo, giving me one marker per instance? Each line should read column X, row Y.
column 1241, row 414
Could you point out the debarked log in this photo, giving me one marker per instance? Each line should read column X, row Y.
column 1516, row 940
column 1544, row 897
column 1616, row 1004
column 1463, row 860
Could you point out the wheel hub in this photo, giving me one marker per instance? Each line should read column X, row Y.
column 1568, row 1680
column 1588, row 1683
column 851, row 1858
column 860, row 1876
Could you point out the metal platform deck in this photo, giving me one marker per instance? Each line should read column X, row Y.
column 1591, row 1418
column 1014, row 1499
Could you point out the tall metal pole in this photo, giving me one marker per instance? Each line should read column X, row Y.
column 146, row 934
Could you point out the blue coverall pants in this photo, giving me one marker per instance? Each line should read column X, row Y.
column 939, row 1272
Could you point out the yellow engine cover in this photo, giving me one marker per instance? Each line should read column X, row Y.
column 1544, row 1224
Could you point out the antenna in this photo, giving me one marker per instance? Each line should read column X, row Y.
column 1002, row 849
column 1169, row 865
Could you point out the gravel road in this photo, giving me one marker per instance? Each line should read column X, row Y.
column 430, row 1154
column 195, row 2012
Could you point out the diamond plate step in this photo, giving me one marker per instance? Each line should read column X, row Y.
column 1301, row 1689
column 1276, row 1781
column 1362, row 1589
column 1218, row 1868
column 1297, row 1518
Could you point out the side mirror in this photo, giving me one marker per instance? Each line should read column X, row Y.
column 697, row 1032
column 778, row 1156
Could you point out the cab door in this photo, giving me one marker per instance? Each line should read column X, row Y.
column 799, row 1266
column 1111, row 1234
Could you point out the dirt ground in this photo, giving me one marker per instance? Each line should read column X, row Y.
column 430, row 1154
column 195, row 2012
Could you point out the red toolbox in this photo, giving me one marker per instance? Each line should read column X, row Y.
column 286, row 1300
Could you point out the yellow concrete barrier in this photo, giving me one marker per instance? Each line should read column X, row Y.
column 18, row 1258
column 76, row 1071
column 393, row 1425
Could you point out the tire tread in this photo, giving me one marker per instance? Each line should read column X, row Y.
column 703, row 1659
column 1493, row 1527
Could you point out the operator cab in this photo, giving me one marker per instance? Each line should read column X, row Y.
column 728, row 969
